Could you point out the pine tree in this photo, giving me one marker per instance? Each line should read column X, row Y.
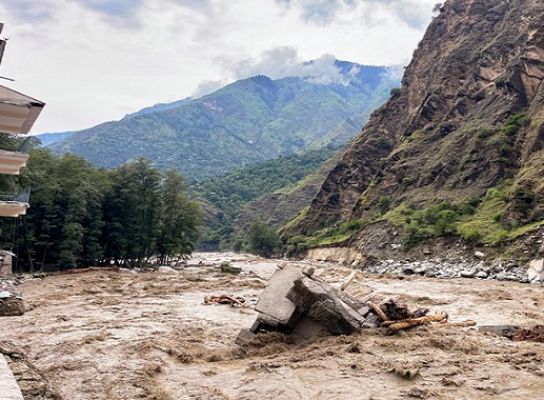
column 180, row 219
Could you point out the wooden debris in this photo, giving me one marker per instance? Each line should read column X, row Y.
column 348, row 280
column 533, row 334
column 396, row 326
column 378, row 311
column 225, row 299
column 397, row 311
column 459, row 324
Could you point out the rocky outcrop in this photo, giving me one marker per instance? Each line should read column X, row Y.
column 445, row 134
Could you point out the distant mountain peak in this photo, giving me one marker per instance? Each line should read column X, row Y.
column 247, row 121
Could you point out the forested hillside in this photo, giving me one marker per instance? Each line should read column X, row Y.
column 248, row 121
column 226, row 196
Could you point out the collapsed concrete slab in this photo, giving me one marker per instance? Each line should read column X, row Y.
column 321, row 303
column 295, row 301
column 274, row 302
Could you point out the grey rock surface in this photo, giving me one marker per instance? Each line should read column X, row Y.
column 273, row 301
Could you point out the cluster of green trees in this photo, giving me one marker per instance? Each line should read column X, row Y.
column 260, row 240
column 81, row 215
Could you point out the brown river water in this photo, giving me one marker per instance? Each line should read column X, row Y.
column 120, row 335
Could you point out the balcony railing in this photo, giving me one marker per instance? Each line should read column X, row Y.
column 22, row 197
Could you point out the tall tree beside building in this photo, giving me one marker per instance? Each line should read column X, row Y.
column 82, row 215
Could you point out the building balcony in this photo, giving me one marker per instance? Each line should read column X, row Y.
column 14, row 205
column 11, row 162
column 18, row 112
column 13, row 209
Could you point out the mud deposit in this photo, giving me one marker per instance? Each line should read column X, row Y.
column 119, row 335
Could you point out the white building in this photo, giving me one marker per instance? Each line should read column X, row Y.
column 18, row 112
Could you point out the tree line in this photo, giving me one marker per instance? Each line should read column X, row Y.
column 81, row 215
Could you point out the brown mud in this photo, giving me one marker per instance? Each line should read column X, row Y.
column 122, row 335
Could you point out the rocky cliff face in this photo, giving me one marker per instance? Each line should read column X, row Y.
column 468, row 118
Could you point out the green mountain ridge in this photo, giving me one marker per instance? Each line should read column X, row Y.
column 248, row 121
column 229, row 200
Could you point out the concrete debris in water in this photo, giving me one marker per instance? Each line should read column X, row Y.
column 297, row 301
column 506, row 331
column 274, row 302
column 323, row 305
column 229, row 269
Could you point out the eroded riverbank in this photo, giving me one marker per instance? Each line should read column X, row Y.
column 119, row 335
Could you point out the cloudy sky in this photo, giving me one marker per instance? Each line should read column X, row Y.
column 96, row 60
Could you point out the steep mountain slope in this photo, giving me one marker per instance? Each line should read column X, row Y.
column 278, row 207
column 292, row 179
column 49, row 138
column 248, row 121
column 459, row 150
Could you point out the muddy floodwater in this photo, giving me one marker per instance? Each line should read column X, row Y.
column 121, row 335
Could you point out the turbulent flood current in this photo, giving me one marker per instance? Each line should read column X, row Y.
column 119, row 334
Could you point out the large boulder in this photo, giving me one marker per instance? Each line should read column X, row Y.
column 11, row 305
column 11, row 300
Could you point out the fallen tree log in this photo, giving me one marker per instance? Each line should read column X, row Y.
column 459, row 324
column 396, row 326
column 378, row 311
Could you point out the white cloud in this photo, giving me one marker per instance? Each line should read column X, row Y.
column 280, row 62
column 97, row 60
column 277, row 63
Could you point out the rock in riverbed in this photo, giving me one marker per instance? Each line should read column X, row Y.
column 11, row 300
